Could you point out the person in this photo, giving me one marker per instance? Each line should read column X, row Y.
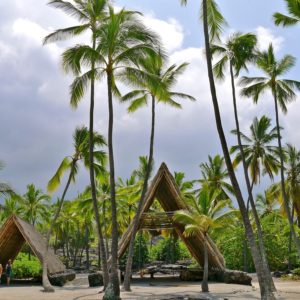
column 8, row 271
column 1, row 270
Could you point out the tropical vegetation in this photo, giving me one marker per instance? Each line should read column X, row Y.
column 256, row 226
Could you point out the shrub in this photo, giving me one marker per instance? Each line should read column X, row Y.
column 25, row 268
column 169, row 250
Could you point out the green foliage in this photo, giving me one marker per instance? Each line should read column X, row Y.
column 276, row 241
column 169, row 250
column 25, row 268
column 141, row 253
column 296, row 271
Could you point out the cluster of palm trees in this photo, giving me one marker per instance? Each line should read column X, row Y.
column 239, row 53
column 123, row 50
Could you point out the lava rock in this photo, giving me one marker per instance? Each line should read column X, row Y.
column 95, row 279
column 58, row 279
column 237, row 277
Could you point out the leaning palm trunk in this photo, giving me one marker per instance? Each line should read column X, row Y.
column 265, row 266
column 114, row 278
column 266, row 293
column 126, row 284
column 204, row 285
column 284, row 194
column 46, row 283
column 92, row 179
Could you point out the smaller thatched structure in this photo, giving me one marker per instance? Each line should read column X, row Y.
column 165, row 190
column 15, row 233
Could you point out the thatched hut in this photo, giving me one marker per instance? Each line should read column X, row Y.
column 165, row 190
column 15, row 233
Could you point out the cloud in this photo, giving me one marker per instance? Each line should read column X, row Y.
column 170, row 31
column 36, row 123
column 265, row 37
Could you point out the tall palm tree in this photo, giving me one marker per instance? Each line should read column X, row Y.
column 212, row 24
column 293, row 7
column 283, row 92
column 293, row 178
column 71, row 164
column 90, row 14
column 237, row 52
column 209, row 213
column 121, row 41
column 155, row 82
column 260, row 154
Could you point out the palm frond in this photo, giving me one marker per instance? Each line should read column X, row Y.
column 62, row 34
column 55, row 181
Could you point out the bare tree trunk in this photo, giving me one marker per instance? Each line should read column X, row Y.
column 265, row 292
column 245, row 256
column 290, row 242
column 114, row 278
column 204, row 285
column 87, row 248
column 126, row 284
column 285, row 198
column 265, row 266
column 92, row 177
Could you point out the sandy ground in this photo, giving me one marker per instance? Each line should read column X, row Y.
column 150, row 289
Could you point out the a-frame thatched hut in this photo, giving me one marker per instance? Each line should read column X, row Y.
column 15, row 233
column 164, row 189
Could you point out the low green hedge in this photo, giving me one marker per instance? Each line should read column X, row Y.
column 24, row 268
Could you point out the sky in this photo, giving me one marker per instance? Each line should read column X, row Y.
column 37, row 123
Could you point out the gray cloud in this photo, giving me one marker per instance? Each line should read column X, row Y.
column 36, row 123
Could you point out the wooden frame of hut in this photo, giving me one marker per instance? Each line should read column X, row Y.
column 15, row 233
column 165, row 190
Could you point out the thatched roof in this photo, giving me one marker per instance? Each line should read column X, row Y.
column 165, row 190
column 15, row 233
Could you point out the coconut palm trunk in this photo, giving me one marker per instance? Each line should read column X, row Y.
column 204, row 284
column 266, row 293
column 114, row 279
column 46, row 283
column 92, row 177
column 266, row 268
column 126, row 284
column 282, row 179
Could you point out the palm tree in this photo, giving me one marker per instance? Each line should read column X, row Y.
column 34, row 204
column 260, row 154
column 215, row 174
column 283, row 92
column 90, row 13
column 71, row 164
column 293, row 178
column 213, row 22
column 12, row 206
column 155, row 82
column 207, row 214
column 237, row 52
column 5, row 188
column 293, row 7
column 267, row 202
column 121, row 41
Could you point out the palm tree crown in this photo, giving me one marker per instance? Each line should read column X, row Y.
column 260, row 155
column 283, row 89
column 239, row 49
column 293, row 7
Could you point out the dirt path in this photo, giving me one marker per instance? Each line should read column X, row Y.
column 155, row 289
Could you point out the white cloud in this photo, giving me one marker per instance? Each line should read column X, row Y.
column 265, row 37
column 171, row 31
